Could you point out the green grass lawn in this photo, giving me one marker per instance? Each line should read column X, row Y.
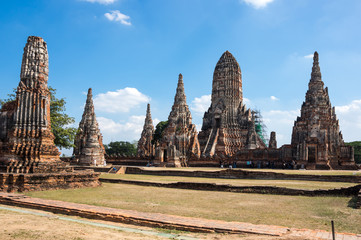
column 235, row 182
column 290, row 211
column 307, row 172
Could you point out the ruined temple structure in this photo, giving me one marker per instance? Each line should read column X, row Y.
column 179, row 141
column 89, row 149
column 228, row 126
column 316, row 138
column 145, row 145
column 25, row 131
column 272, row 141
column 29, row 159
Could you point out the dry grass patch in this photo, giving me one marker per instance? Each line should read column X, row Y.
column 235, row 182
column 290, row 211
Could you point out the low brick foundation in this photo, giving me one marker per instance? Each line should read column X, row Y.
column 12, row 182
column 242, row 174
column 350, row 191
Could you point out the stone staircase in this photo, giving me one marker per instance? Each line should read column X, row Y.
column 212, row 140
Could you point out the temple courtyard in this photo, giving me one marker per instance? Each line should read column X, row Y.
column 177, row 213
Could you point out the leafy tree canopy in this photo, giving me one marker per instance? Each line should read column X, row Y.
column 60, row 121
column 122, row 148
column 158, row 133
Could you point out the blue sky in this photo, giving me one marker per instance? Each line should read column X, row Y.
column 131, row 52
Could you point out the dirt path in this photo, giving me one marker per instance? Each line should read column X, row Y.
column 26, row 226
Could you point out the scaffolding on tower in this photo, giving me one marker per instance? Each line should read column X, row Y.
column 260, row 126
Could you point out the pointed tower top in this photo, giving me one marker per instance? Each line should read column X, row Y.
column 316, row 72
column 148, row 112
column 89, row 99
column 180, row 96
column 148, row 122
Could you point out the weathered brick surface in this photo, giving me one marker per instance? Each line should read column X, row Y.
column 350, row 191
column 25, row 129
column 89, row 149
column 180, row 138
column 44, row 181
column 228, row 126
column 145, row 146
column 316, row 136
column 242, row 174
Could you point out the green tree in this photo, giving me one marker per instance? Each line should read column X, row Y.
column 158, row 133
column 121, row 147
column 357, row 149
column 60, row 121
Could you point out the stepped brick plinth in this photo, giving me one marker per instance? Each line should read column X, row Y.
column 179, row 141
column 228, row 126
column 145, row 145
column 89, row 149
column 316, row 138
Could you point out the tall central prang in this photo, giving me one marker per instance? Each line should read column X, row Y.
column 228, row 125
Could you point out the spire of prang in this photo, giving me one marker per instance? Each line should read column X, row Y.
column 180, row 96
column 148, row 117
column 316, row 72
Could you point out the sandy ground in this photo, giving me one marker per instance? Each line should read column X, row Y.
column 25, row 226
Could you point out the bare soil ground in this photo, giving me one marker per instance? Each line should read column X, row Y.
column 24, row 226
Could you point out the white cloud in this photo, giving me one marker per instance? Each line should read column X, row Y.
column 282, row 123
column 200, row 105
column 309, row 56
column 122, row 100
column 118, row 131
column 350, row 120
column 273, row 98
column 122, row 131
column 117, row 16
column 246, row 101
column 105, row 2
column 258, row 3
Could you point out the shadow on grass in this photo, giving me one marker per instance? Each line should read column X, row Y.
column 353, row 202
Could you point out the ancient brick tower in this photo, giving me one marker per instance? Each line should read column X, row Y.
column 25, row 129
column 179, row 141
column 316, row 137
column 89, row 149
column 145, row 145
column 228, row 125
column 272, row 141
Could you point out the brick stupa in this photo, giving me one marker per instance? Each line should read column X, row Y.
column 316, row 136
column 145, row 145
column 179, row 141
column 89, row 148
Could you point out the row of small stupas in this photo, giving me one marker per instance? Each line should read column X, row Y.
column 228, row 131
column 29, row 159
